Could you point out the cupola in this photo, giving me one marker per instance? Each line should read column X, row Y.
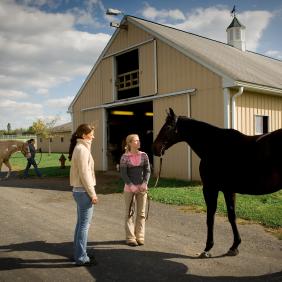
column 236, row 34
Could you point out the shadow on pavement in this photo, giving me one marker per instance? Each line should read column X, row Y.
column 107, row 182
column 115, row 263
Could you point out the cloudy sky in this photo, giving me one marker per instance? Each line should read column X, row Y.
column 48, row 47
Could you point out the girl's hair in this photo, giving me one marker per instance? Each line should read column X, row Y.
column 128, row 140
column 82, row 129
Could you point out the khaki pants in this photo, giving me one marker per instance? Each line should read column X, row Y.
column 135, row 229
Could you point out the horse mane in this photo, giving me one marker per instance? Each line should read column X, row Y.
column 209, row 128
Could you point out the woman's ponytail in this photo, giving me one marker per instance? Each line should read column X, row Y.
column 72, row 144
column 82, row 129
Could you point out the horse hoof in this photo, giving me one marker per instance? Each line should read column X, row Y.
column 232, row 253
column 205, row 255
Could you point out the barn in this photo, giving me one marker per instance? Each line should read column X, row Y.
column 60, row 140
column 147, row 67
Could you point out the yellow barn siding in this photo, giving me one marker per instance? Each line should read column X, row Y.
column 96, row 118
column 128, row 38
column 106, row 95
column 98, row 89
column 146, row 69
column 91, row 93
column 250, row 104
column 175, row 160
column 177, row 72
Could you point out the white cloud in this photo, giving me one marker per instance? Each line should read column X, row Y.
column 274, row 54
column 212, row 22
column 40, row 51
column 13, row 94
column 152, row 13
column 256, row 22
column 44, row 50
column 43, row 91
column 18, row 113
column 59, row 102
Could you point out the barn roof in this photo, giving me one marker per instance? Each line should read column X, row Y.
column 227, row 61
column 66, row 127
column 238, row 68
column 235, row 23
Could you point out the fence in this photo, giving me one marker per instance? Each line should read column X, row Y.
column 18, row 137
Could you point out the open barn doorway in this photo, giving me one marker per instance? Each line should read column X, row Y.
column 128, row 119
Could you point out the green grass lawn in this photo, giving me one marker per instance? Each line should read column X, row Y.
column 266, row 209
column 49, row 164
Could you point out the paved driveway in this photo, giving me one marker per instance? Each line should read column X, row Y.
column 37, row 221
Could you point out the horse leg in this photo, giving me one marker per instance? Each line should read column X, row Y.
column 1, row 162
column 211, row 203
column 230, row 200
column 7, row 163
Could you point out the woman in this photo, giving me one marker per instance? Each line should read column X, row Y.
column 82, row 179
column 135, row 172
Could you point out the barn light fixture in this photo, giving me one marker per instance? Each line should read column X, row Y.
column 122, row 113
column 149, row 114
column 113, row 12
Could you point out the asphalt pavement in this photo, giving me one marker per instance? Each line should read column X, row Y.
column 37, row 222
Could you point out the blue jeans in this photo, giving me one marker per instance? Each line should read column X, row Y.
column 30, row 162
column 85, row 210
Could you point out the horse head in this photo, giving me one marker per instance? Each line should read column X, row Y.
column 167, row 135
column 24, row 148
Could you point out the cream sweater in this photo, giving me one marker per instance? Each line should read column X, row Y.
column 82, row 167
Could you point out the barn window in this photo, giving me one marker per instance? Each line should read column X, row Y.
column 127, row 80
column 62, row 139
column 261, row 124
column 51, row 140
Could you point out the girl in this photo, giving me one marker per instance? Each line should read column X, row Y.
column 135, row 172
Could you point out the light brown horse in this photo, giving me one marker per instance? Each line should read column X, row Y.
column 7, row 148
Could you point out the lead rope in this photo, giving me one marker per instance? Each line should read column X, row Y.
column 156, row 183
column 40, row 151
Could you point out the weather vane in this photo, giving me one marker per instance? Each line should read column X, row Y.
column 233, row 12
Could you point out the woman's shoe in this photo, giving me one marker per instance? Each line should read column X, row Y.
column 140, row 242
column 92, row 261
column 132, row 243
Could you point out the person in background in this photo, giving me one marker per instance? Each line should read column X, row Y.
column 31, row 159
column 83, row 181
column 135, row 172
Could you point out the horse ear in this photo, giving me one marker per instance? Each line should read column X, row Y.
column 171, row 112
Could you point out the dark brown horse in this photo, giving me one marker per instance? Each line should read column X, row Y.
column 231, row 162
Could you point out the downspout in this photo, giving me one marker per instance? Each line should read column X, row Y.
column 233, row 104
column 226, row 101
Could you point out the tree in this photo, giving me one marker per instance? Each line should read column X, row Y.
column 45, row 129
column 9, row 127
